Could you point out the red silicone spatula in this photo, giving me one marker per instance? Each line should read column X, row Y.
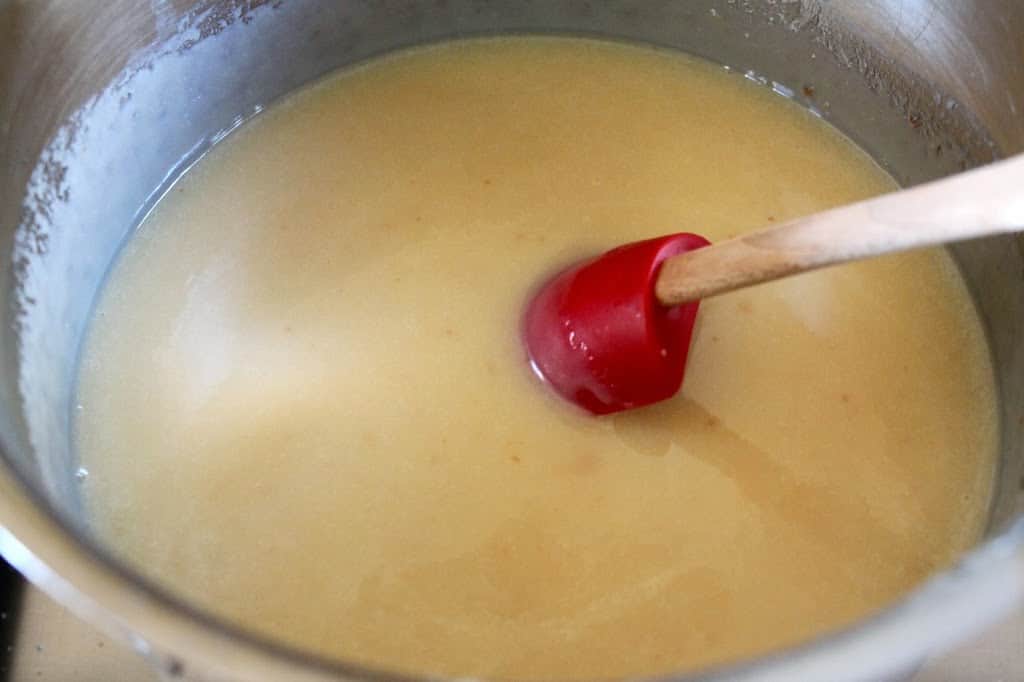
column 613, row 333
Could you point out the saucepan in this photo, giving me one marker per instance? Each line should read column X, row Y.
column 104, row 102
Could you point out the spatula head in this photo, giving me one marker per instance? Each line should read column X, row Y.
column 596, row 333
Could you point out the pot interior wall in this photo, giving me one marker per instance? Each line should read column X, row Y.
column 105, row 104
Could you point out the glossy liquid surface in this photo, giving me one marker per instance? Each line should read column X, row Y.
column 305, row 405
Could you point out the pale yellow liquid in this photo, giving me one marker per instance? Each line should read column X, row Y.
column 305, row 405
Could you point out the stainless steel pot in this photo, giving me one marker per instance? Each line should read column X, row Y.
column 103, row 103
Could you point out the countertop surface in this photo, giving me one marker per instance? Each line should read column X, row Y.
column 52, row 645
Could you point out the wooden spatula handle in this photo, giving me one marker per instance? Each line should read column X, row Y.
column 978, row 203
